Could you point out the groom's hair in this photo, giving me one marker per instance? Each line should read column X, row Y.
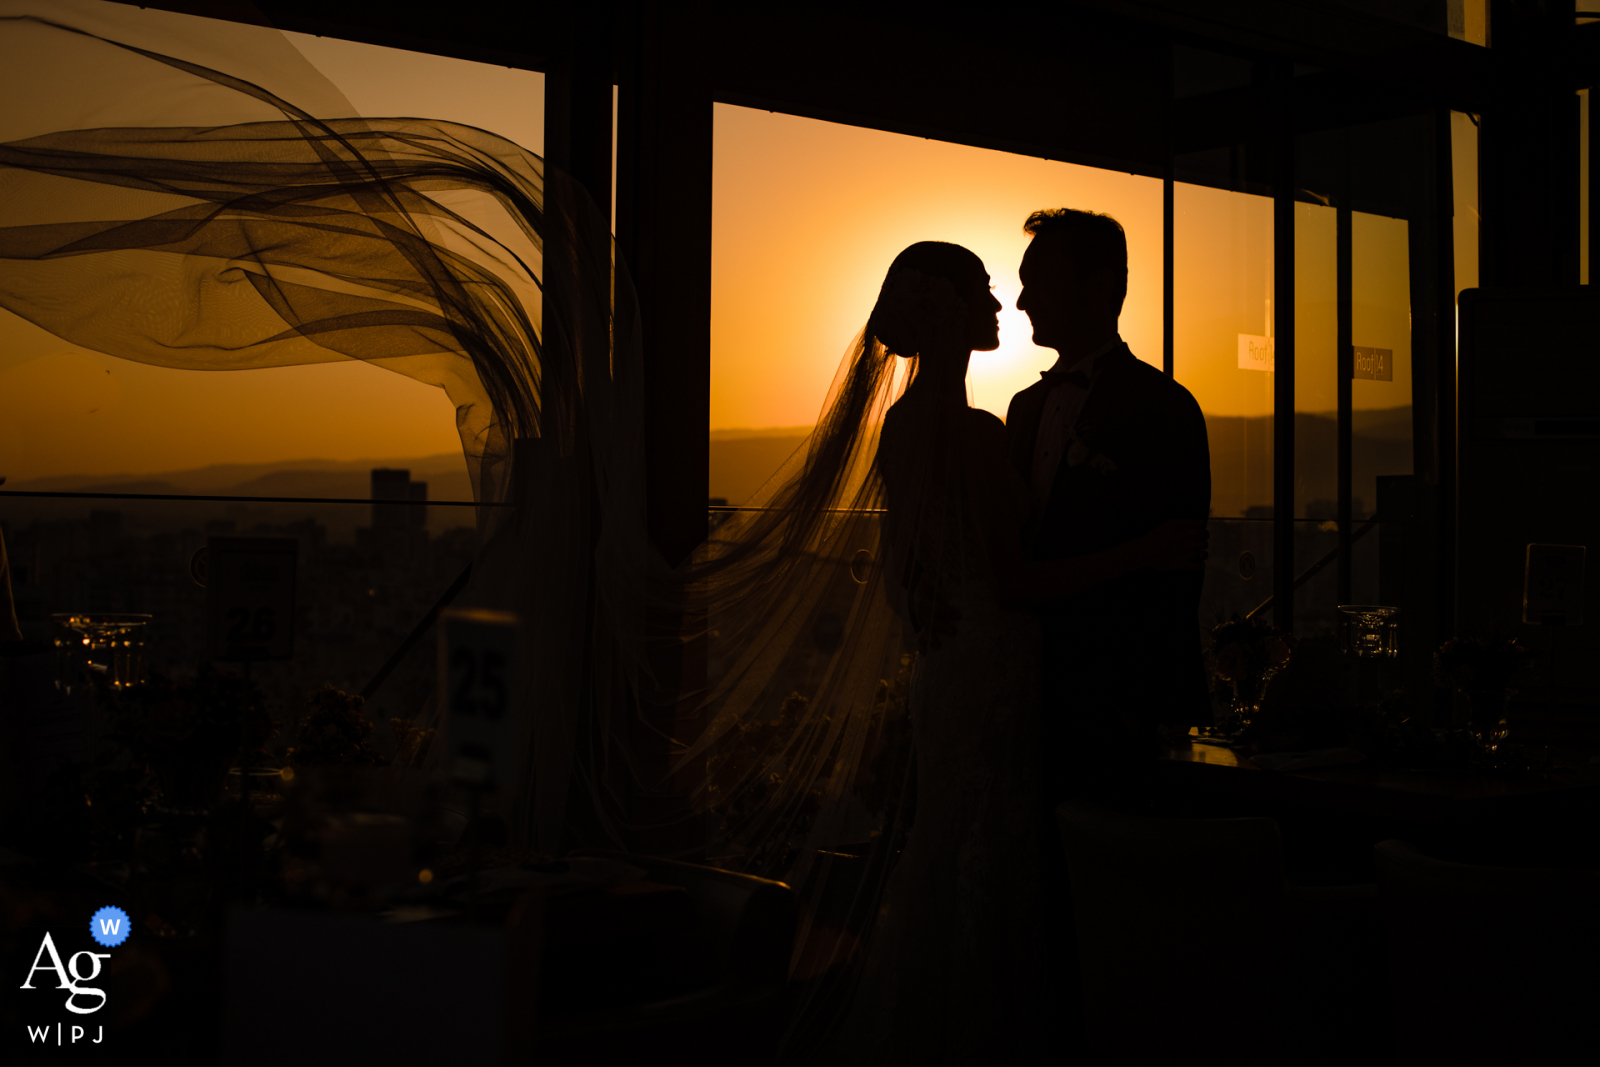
column 1092, row 240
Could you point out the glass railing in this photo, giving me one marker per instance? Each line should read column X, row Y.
column 1238, row 572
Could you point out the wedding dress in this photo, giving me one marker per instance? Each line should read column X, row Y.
column 951, row 972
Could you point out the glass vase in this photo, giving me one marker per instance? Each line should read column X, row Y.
column 1487, row 719
column 1246, row 705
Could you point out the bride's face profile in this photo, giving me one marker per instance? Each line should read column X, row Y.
column 984, row 310
column 937, row 303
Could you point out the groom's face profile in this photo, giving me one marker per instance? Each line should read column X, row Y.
column 1063, row 300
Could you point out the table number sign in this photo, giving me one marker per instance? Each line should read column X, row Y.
column 1552, row 589
column 250, row 597
column 476, row 660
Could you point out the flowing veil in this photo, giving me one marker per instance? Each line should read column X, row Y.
column 203, row 201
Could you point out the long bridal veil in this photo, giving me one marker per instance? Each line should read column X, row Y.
column 195, row 195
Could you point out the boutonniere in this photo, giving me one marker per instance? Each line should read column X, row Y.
column 1080, row 451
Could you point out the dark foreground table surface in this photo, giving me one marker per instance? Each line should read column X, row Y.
column 1332, row 816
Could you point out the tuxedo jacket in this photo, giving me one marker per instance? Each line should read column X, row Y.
column 1134, row 641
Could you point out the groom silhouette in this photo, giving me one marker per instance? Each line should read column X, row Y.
column 1112, row 448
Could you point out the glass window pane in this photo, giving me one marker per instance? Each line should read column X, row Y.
column 1238, row 569
column 1316, row 386
column 1316, row 414
column 1222, row 326
column 1464, row 178
column 1381, row 325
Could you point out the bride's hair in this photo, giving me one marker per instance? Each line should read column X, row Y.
column 906, row 300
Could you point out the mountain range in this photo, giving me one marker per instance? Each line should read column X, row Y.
column 741, row 461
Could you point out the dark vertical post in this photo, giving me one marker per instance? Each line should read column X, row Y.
column 1283, row 386
column 1443, row 313
column 1594, row 186
column 1344, row 259
column 576, row 250
column 1528, row 162
column 1168, row 222
column 577, row 96
column 664, row 237
column 1429, row 537
column 1566, row 112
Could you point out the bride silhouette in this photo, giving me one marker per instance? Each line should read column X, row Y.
column 220, row 225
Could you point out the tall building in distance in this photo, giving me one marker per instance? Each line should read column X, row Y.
column 392, row 484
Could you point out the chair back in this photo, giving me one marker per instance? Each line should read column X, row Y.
column 1178, row 924
column 746, row 923
column 1489, row 964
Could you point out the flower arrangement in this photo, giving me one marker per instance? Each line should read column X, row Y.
column 334, row 733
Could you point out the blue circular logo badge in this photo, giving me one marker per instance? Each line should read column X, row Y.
column 110, row 926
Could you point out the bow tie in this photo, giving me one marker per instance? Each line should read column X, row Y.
column 1054, row 378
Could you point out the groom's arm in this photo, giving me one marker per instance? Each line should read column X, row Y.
column 1176, row 467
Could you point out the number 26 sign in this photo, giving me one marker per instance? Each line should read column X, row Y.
column 250, row 597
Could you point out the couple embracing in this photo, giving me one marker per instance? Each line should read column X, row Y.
column 1049, row 567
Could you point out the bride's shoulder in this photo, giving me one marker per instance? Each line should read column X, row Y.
column 985, row 427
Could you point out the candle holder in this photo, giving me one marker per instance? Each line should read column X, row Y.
column 1371, row 631
column 108, row 644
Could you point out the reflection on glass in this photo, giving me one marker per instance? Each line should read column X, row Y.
column 1222, row 333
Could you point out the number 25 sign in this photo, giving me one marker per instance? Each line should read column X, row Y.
column 476, row 653
column 250, row 597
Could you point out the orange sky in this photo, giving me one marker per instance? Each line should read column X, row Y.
column 807, row 216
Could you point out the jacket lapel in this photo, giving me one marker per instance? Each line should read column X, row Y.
column 1104, row 395
column 1027, row 410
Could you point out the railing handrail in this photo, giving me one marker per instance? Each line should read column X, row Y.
column 68, row 495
